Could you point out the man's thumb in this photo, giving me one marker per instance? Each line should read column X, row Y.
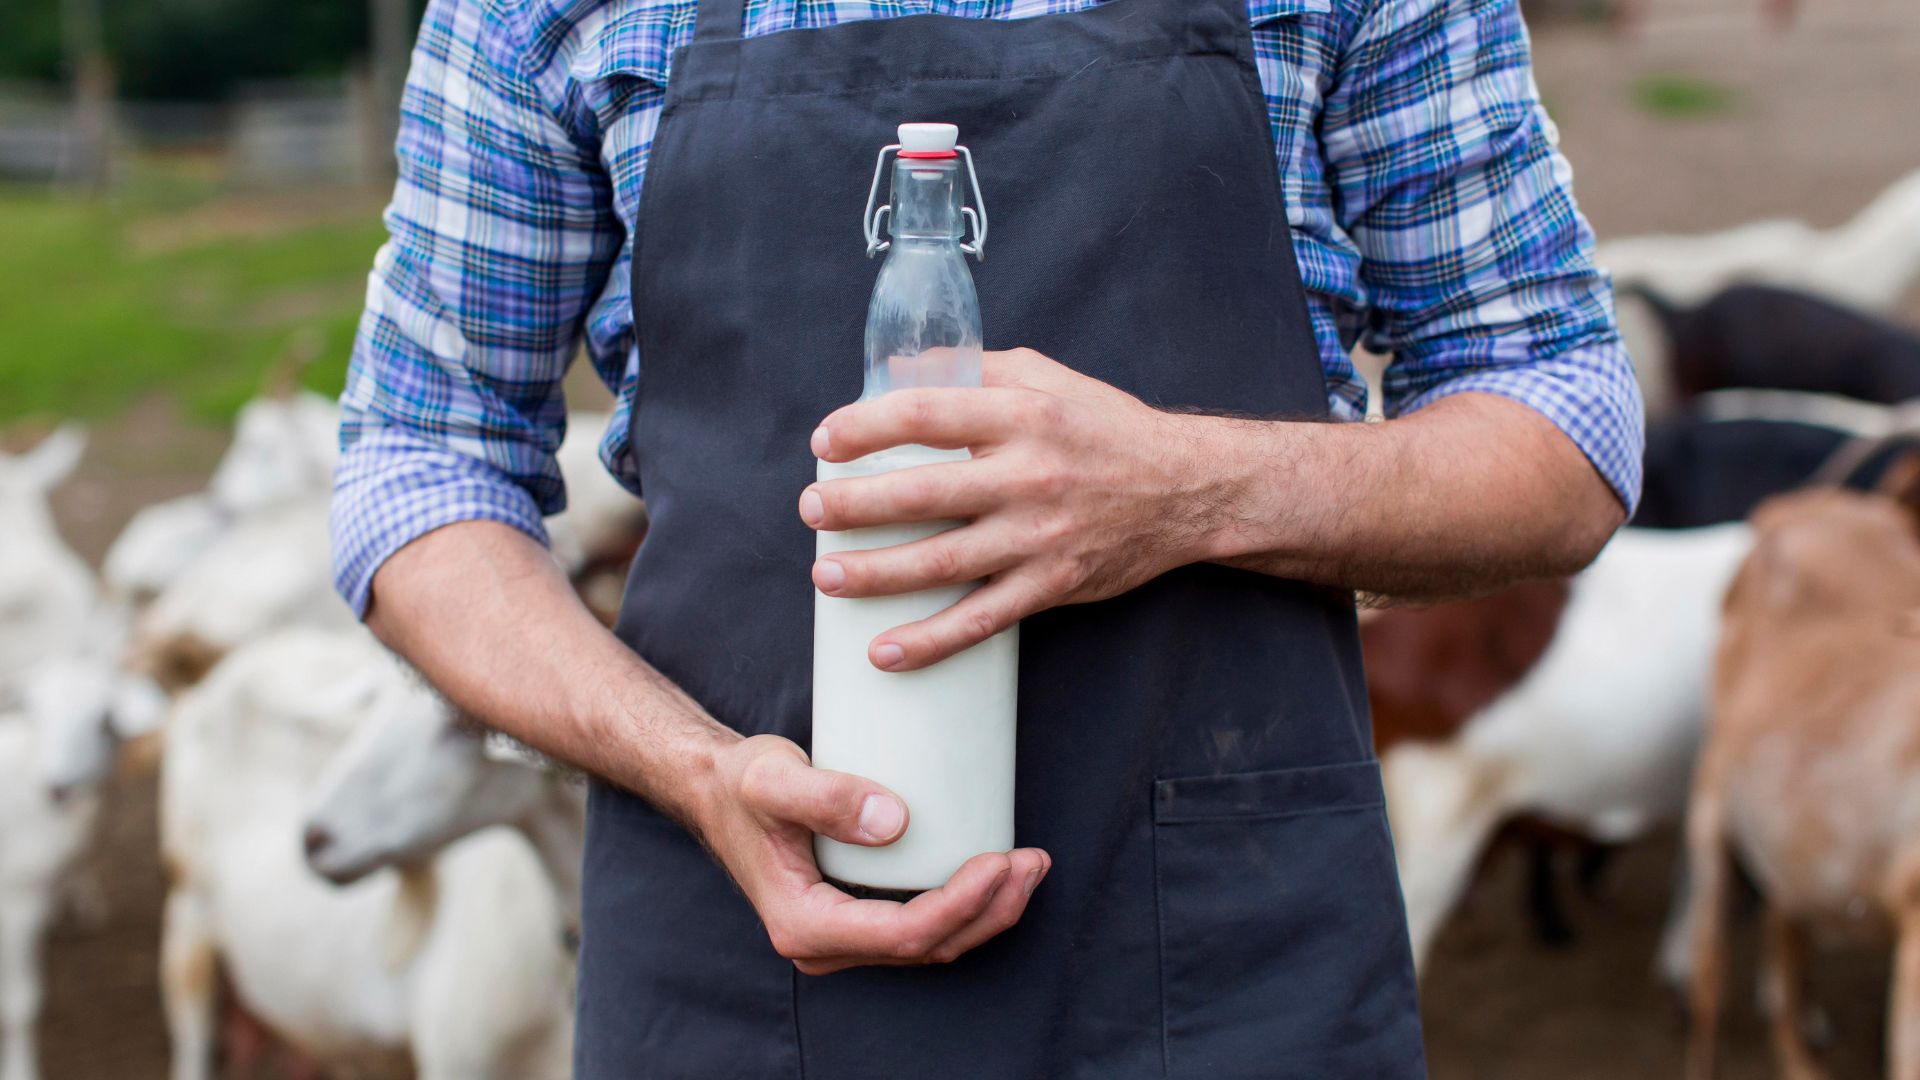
column 838, row 805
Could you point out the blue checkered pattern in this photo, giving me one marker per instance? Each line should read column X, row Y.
column 1432, row 218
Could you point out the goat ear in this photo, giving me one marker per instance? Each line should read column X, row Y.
column 50, row 463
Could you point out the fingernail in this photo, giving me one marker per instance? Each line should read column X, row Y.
column 881, row 817
column 889, row 656
column 820, row 442
column 811, row 508
column 1033, row 878
column 829, row 575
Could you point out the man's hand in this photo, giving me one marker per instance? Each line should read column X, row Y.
column 476, row 590
column 1077, row 491
column 766, row 805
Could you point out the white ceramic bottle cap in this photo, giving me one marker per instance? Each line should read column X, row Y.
column 928, row 138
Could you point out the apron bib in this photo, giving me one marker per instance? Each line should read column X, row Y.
column 1195, row 754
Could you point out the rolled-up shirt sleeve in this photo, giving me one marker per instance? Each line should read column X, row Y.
column 501, row 232
column 1477, row 266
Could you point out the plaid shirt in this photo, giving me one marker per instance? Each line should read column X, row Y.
column 1431, row 217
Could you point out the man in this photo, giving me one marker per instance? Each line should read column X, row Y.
column 1198, row 207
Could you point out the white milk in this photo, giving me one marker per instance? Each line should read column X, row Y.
column 941, row 737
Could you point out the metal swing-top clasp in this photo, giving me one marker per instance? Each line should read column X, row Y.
column 876, row 212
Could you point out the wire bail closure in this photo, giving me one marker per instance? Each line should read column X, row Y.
column 976, row 215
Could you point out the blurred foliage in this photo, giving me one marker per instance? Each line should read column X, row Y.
column 30, row 39
column 172, row 287
column 192, row 49
column 1683, row 96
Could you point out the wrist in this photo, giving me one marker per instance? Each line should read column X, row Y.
column 703, row 796
column 1225, row 466
column 1278, row 492
column 655, row 741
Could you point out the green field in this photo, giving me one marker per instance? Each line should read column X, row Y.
column 1681, row 97
column 171, row 286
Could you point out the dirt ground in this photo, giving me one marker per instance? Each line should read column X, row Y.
column 1811, row 123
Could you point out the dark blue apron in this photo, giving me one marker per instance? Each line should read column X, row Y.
column 1195, row 754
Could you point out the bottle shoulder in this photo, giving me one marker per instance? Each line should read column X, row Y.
column 944, row 262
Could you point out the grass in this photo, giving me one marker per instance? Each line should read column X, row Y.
column 1683, row 96
column 171, row 287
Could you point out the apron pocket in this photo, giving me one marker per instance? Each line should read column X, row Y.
column 1283, row 942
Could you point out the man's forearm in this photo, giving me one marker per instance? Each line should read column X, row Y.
column 1077, row 491
column 1468, row 494
column 486, row 615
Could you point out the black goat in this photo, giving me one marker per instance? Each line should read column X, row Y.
column 1765, row 337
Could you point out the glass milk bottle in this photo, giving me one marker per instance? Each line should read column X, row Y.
column 942, row 738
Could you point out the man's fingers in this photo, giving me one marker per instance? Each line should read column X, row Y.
column 950, row 419
column 1009, row 903
column 834, row 925
column 984, row 898
column 832, row 930
column 847, row 808
column 974, row 618
column 954, row 557
column 954, row 489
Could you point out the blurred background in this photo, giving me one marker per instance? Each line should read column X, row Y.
column 189, row 203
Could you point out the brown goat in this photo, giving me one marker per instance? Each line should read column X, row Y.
column 1432, row 669
column 1811, row 768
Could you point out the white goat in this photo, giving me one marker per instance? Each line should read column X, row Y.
column 270, row 568
column 268, row 572
column 1600, row 736
column 602, row 519
column 56, row 744
column 284, row 448
column 158, row 542
column 403, row 789
column 46, row 592
column 42, row 843
column 1868, row 262
column 283, row 451
column 458, row 964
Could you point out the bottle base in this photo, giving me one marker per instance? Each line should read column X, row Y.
column 872, row 892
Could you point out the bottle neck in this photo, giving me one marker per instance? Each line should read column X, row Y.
column 926, row 200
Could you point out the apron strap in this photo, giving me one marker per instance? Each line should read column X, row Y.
column 719, row 20
column 724, row 20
